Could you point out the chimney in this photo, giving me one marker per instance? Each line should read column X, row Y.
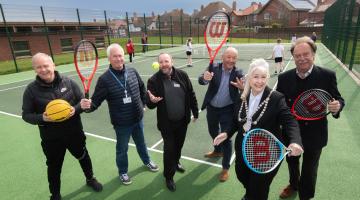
column 234, row 5
column 202, row 8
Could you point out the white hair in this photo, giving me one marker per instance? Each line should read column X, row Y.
column 38, row 55
column 258, row 63
column 111, row 46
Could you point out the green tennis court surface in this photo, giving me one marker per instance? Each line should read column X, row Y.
column 23, row 167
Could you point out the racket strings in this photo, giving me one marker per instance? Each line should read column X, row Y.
column 312, row 104
column 262, row 151
column 86, row 58
column 217, row 29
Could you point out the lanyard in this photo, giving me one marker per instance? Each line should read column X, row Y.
column 123, row 86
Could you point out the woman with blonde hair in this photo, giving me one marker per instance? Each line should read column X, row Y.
column 260, row 107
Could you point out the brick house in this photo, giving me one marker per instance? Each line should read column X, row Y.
column 285, row 12
column 245, row 17
column 316, row 15
column 29, row 38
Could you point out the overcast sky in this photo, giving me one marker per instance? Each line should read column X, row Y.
column 140, row 6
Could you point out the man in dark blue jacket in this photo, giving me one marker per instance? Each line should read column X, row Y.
column 57, row 137
column 125, row 94
column 223, row 92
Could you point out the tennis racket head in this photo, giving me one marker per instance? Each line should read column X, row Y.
column 86, row 63
column 216, row 32
column 311, row 105
column 262, row 151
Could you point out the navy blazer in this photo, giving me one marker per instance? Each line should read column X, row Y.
column 314, row 133
column 214, row 84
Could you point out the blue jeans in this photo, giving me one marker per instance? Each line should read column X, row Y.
column 123, row 136
column 220, row 119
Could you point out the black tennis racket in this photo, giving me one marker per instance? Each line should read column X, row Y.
column 262, row 151
column 86, row 63
column 311, row 105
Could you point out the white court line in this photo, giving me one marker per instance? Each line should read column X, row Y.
column 156, row 144
column 130, row 144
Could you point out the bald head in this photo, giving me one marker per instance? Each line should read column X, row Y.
column 44, row 67
column 229, row 58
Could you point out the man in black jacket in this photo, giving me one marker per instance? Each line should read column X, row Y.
column 57, row 137
column 314, row 134
column 222, row 94
column 171, row 92
column 125, row 94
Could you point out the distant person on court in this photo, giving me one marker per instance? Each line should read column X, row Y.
column 278, row 54
column 293, row 39
column 130, row 49
column 189, row 52
column 57, row 137
column 313, row 36
column 125, row 94
column 260, row 107
column 171, row 92
column 144, row 42
column 314, row 134
column 224, row 81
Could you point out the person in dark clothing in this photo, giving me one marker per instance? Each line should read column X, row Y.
column 314, row 134
column 125, row 94
column 171, row 92
column 224, row 81
column 260, row 107
column 57, row 137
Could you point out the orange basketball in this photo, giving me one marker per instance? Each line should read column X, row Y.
column 58, row 110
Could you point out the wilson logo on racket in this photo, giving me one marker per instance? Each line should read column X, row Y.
column 218, row 30
column 311, row 105
column 262, row 151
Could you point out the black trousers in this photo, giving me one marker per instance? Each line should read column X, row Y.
column 131, row 55
column 55, row 150
column 305, row 181
column 174, row 137
column 256, row 185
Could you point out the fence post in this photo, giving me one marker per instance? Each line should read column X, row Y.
column 347, row 30
column 171, row 31
column 159, row 31
column 78, row 15
column 145, row 25
column 127, row 23
column 198, row 30
column 47, row 33
column 190, row 26
column 9, row 39
column 357, row 27
column 181, row 29
column 107, row 27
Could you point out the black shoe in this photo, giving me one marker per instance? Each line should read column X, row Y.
column 170, row 185
column 180, row 168
column 55, row 197
column 94, row 184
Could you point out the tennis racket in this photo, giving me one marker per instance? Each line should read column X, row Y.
column 86, row 63
column 311, row 105
column 216, row 32
column 262, row 151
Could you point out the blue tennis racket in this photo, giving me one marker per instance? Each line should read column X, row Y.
column 262, row 151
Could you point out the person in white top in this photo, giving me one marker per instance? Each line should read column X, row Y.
column 189, row 52
column 293, row 38
column 278, row 54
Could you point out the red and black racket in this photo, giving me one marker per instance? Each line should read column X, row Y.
column 311, row 105
column 86, row 63
column 216, row 32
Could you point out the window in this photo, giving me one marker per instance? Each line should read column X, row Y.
column 100, row 42
column 21, row 48
column 267, row 16
column 66, row 44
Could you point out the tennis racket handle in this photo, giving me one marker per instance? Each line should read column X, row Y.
column 87, row 95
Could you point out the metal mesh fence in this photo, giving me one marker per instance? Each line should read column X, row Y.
column 26, row 30
column 341, row 32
